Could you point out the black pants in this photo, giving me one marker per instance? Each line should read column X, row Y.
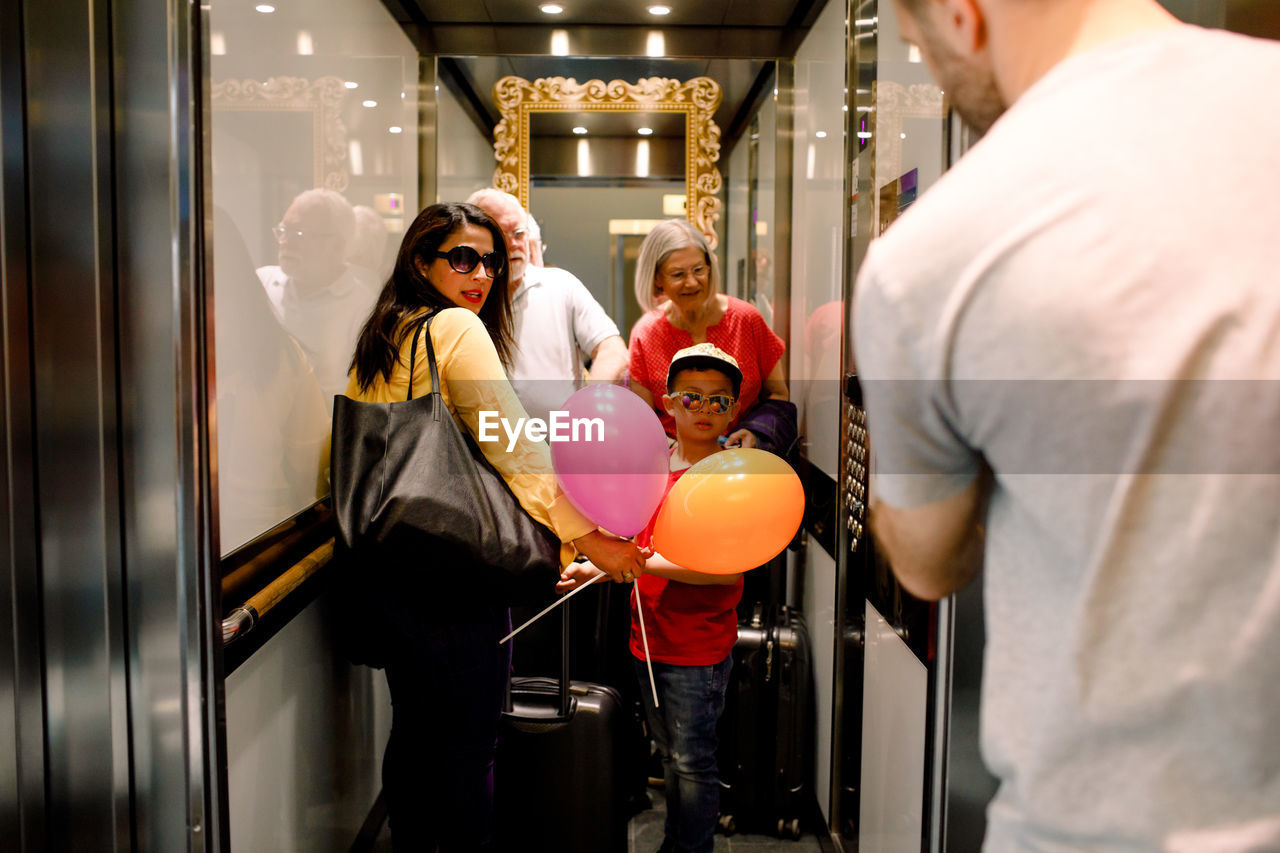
column 447, row 688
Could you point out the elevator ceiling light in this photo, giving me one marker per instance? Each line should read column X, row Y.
column 395, row 128
column 822, row 134
column 551, row 8
column 370, row 103
column 351, row 84
column 265, row 8
column 645, row 131
column 659, row 10
column 580, row 131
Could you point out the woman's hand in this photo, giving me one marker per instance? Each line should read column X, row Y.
column 620, row 559
column 741, row 438
column 576, row 575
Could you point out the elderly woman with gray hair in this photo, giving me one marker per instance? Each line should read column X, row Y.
column 677, row 263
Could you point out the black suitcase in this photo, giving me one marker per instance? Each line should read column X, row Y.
column 557, row 779
column 766, row 754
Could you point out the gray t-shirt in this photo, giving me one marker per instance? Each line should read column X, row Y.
column 1089, row 303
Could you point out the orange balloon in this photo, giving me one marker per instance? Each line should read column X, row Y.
column 733, row 511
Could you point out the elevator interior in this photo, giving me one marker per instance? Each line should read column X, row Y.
column 158, row 477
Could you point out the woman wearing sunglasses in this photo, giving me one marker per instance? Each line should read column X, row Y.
column 677, row 264
column 446, row 671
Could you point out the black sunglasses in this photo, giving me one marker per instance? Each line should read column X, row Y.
column 463, row 259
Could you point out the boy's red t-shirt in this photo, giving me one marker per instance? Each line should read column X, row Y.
column 687, row 624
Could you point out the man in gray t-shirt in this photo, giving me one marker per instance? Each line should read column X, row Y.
column 1071, row 344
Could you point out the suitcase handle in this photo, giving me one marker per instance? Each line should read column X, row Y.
column 564, row 706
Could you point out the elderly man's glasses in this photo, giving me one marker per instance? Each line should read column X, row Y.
column 463, row 259
column 716, row 404
column 293, row 233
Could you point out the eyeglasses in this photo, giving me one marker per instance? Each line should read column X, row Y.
column 717, row 404
column 463, row 259
column 293, row 233
column 678, row 277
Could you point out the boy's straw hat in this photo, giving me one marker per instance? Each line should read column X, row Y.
column 703, row 352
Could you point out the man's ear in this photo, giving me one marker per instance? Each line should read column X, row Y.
column 669, row 404
column 964, row 25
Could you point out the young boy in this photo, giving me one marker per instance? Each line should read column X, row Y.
column 690, row 618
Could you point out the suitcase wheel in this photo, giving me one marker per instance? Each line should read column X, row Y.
column 789, row 829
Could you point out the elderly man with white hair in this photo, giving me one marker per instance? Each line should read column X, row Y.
column 556, row 318
column 319, row 298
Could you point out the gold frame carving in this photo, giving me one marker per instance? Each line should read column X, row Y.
column 321, row 97
column 697, row 98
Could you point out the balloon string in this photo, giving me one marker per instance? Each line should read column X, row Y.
column 645, row 640
column 553, row 605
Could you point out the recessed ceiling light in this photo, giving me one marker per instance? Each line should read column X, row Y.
column 265, row 8
column 395, row 128
column 351, row 84
column 822, row 134
column 580, row 130
column 645, row 131
column 369, row 103
column 551, row 8
column 659, row 10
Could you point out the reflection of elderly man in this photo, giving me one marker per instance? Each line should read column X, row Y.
column 317, row 296
column 556, row 319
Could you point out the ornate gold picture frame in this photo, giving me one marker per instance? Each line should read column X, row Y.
column 321, row 99
column 697, row 98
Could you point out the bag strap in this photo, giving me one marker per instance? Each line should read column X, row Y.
column 431, row 361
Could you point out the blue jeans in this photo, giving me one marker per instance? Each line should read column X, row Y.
column 691, row 699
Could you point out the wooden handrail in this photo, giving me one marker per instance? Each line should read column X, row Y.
column 243, row 618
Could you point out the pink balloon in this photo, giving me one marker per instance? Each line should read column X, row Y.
column 615, row 472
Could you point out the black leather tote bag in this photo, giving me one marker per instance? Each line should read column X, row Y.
column 409, row 486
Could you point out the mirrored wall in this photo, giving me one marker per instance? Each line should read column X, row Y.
column 314, row 164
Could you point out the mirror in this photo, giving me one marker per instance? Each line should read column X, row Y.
column 695, row 100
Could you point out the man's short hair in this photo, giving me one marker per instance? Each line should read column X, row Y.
column 338, row 211
column 492, row 196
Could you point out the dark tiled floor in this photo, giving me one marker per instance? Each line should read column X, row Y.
column 644, row 835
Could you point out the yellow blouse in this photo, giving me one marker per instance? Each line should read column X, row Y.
column 474, row 382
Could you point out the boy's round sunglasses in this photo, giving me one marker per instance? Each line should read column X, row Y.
column 716, row 404
column 463, row 259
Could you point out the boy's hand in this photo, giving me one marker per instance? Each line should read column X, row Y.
column 575, row 575
column 741, row 438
